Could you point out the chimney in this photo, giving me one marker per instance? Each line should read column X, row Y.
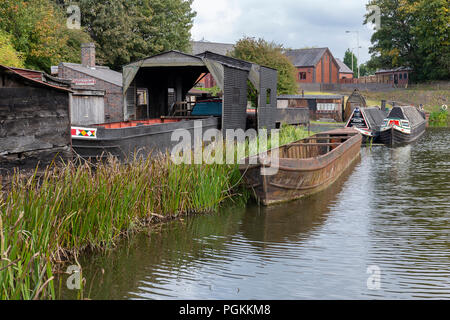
column 88, row 55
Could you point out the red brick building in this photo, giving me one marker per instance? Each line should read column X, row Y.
column 316, row 65
column 207, row 80
column 344, row 71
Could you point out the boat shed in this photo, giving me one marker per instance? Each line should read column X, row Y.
column 356, row 99
column 173, row 74
column 34, row 119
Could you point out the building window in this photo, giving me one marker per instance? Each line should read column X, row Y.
column 401, row 76
column 327, row 107
column 142, row 97
column 302, row 75
column 268, row 97
column 236, row 96
column 405, row 76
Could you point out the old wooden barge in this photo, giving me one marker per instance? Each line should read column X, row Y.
column 303, row 167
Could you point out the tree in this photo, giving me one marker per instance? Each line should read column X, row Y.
column 128, row 30
column 271, row 55
column 413, row 33
column 38, row 31
column 348, row 61
column 365, row 70
column 8, row 55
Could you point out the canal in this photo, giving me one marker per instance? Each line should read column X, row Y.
column 380, row 232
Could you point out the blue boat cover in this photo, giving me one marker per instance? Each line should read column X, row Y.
column 208, row 108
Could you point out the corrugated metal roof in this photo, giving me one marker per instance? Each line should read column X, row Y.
column 394, row 70
column 343, row 68
column 225, row 60
column 306, row 57
column 99, row 72
column 215, row 47
column 37, row 77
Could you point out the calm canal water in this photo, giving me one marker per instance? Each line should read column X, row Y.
column 392, row 211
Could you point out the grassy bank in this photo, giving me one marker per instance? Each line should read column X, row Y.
column 431, row 96
column 79, row 207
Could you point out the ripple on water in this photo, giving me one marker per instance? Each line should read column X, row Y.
column 391, row 211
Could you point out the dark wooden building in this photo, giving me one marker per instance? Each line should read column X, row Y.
column 320, row 106
column 34, row 118
column 398, row 77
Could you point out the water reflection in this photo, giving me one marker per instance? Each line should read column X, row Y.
column 391, row 210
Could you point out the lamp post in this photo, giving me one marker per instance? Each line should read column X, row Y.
column 352, row 58
column 357, row 44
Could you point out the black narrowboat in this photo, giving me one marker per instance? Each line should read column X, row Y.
column 404, row 124
column 368, row 122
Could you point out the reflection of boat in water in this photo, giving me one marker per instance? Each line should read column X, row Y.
column 303, row 167
column 367, row 121
column 283, row 222
column 404, row 124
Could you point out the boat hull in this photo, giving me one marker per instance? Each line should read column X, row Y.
column 128, row 142
column 393, row 137
column 297, row 178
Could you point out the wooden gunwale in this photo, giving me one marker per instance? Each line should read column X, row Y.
column 319, row 171
column 305, row 164
column 296, row 144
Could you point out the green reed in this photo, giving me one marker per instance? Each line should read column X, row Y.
column 76, row 206
column 70, row 208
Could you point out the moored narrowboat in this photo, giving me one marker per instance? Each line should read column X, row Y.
column 404, row 124
column 368, row 122
column 301, row 168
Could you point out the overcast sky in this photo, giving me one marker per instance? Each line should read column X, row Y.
column 292, row 23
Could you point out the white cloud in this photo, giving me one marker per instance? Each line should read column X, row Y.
column 293, row 23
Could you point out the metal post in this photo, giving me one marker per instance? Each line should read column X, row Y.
column 359, row 62
column 357, row 40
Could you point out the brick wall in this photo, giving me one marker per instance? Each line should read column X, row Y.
column 113, row 93
column 88, row 54
column 334, row 73
column 319, row 72
column 326, row 67
column 309, row 72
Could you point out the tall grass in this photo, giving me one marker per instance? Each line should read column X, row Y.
column 439, row 118
column 68, row 209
